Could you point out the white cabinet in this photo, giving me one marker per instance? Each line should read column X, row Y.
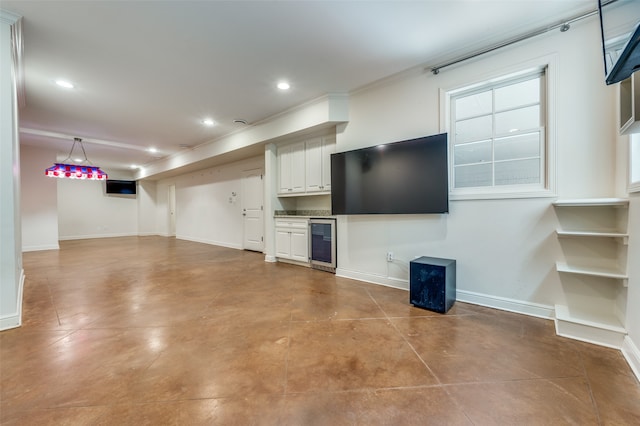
column 630, row 104
column 318, row 163
column 292, row 239
column 593, row 237
column 291, row 162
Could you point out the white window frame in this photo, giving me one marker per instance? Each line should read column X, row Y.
column 547, row 188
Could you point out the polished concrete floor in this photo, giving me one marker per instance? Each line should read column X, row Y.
column 159, row 331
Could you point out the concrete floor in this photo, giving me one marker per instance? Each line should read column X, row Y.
column 153, row 330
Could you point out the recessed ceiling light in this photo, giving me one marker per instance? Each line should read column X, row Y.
column 134, row 166
column 152, row 149
column 78, row 160
column 208, row 122
column 65, row 84
column 283, row 85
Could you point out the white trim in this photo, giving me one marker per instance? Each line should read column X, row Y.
column 501, row 195
column 210, row 242
column 269, row 258
column 632, row 354
column 7, row 17
column 14, row 320
column 41, row 248
column 373, row 278
column 92, row 236
column 495, row 302
column 150, row 234
column 506, row 304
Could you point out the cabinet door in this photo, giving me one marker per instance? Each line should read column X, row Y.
column 297, row 167
column 328, row 148
column 314, row 164
column 284, row 169
column 283, row 243
column 299, row 245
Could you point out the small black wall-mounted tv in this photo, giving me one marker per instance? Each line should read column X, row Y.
column 407, row 177
column 123, row 187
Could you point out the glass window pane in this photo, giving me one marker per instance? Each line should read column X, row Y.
column 475, row 152
column 521, row 146
column 473, row 105
column 518, row 172
column 514, row 95
column 519, row 119
column 470, row 176
column 474, row 129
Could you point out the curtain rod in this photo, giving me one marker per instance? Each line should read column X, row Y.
column 562, row 25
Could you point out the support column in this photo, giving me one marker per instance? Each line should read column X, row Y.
column 11, row 272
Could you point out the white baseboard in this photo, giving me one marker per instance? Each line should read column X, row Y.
column 92, row 236
column 269, row 258
column 40, row 248
column 372, row 278
column 14, row 320
column 632, row 355
column 211, row 242
column 495, row 302
column 506, row 304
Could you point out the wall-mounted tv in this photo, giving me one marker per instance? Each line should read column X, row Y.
column 620, row 30
column 124, row 187
column 407, row 177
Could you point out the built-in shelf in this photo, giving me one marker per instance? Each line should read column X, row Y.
column 587, row 202
column 599, row 327
column 591, row 234
column 593, row 274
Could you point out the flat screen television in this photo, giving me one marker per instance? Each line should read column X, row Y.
column 620, row 31
column 125, row 187
column 407, row 177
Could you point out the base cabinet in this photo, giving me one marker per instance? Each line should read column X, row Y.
column 292, row 239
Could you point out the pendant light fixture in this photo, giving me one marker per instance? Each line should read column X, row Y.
column 84, row 170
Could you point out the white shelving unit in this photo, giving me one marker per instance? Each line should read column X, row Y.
column 593, row 236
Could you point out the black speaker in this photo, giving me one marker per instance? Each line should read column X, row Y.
column 432, row 283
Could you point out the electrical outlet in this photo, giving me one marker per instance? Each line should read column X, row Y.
column 389, row 256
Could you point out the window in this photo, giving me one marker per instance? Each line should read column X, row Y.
column 498, row 137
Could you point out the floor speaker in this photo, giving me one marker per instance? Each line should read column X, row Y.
column 432, row 283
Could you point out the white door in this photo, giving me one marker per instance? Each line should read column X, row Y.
column 171, row 203
column 252, row 210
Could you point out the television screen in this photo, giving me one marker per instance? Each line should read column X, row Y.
column 620, row 30
column 126, row 187
column 408, row 177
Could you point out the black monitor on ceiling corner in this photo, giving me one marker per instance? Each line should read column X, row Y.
column 407, row 177
column 620, row 34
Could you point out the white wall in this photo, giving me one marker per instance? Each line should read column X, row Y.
column 147, row 205
column 39, row 199
column 86, row 211
column 631, row 347
column 504, row 248
column 206, row 210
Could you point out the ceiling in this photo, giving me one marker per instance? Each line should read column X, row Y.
column 146, row 73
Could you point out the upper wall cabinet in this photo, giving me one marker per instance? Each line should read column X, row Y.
column 291, row 159
column 304, row 168
column 318, row 163
column 630, row 105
